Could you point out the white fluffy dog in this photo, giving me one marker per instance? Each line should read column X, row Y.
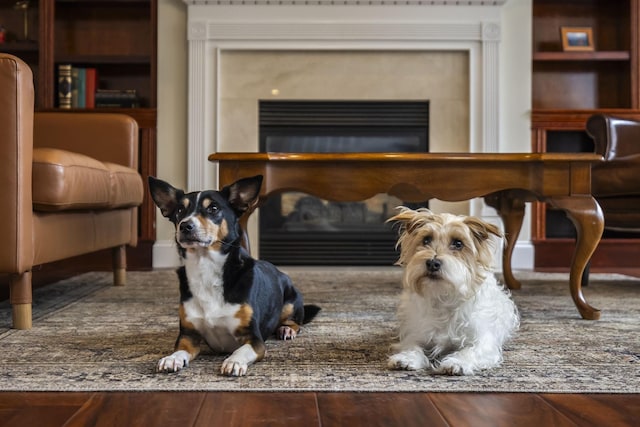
column 454, row 316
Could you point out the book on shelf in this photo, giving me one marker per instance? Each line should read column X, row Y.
column 64, row 85
column 76, row 86
column 91, row 85
column 117, row 98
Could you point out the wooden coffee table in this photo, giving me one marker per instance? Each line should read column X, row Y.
column 506, row 181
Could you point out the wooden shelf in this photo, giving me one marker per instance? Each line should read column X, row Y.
column 556, row 119
column 582, row 56
column 16, row 47
column 104, row 59
column 104, row 1
column 146, row 117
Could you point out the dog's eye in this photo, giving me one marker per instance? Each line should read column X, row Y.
column 212, row 209
column 427, row 240
column 457, row 245
column 180, row 210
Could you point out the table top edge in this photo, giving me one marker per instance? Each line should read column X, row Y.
column 403, row 157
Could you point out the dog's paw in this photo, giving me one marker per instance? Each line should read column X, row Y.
column 174, row 363
column 410, row 360
column 233, row 368
column 237, row 364
column 451, row 366
column 286, row 333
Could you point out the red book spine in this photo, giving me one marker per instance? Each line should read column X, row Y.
column 91, row 87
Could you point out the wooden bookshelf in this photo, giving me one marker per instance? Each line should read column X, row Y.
column 604, row 78
column 567, row 88
column 119, row 39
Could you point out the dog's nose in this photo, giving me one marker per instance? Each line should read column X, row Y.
column 186, row 226
column 433, row 265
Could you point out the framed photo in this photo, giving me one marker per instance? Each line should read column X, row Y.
column 577, row 39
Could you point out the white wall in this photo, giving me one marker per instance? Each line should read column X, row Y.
column 515, row 102
column 515, row 105
column 172, row 114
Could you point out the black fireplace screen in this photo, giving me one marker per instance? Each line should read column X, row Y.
column 299, row 229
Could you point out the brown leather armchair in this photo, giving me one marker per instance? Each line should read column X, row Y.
column 71, row 184
column 615, row 182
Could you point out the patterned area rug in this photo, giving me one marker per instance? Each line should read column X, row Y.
column 90, row 336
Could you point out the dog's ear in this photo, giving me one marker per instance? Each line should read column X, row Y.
column 482, row 230
column 409, row 220
column 243, row 194
column 164, row 195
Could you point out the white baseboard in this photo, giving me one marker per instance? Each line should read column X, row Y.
column 523, row 256
column 165, row 255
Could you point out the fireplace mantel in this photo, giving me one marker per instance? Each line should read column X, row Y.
column 220, row 26
column 461, row 3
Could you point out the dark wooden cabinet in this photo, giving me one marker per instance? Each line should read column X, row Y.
column 567, row 88
column 119, row 39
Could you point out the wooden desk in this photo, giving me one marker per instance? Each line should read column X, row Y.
column 506, row 181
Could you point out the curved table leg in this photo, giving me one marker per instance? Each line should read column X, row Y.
column 586, row 215
column 511, row 211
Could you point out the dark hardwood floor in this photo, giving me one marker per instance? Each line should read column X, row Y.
column 184, row 409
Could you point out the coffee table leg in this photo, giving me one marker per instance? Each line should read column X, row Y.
column 511, row 211
column 586, row 215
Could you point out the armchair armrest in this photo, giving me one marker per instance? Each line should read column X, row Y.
column 103, row 136
column 614, row 137
column 16, row 148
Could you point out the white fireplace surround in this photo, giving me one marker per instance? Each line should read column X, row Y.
column 214, row 27
column 217, row 26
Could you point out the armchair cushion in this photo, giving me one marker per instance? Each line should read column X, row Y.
column 125, row 185
column 63, row 180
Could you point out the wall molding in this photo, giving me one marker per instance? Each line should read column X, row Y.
column 361, row 3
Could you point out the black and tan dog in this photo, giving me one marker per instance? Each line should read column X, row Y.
column 227, row 298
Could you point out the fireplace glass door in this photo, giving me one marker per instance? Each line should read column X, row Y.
column 300, row 229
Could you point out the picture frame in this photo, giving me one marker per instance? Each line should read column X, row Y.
column 577, row 39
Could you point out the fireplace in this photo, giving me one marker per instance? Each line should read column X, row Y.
column 448, row 52
column 299, row 229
